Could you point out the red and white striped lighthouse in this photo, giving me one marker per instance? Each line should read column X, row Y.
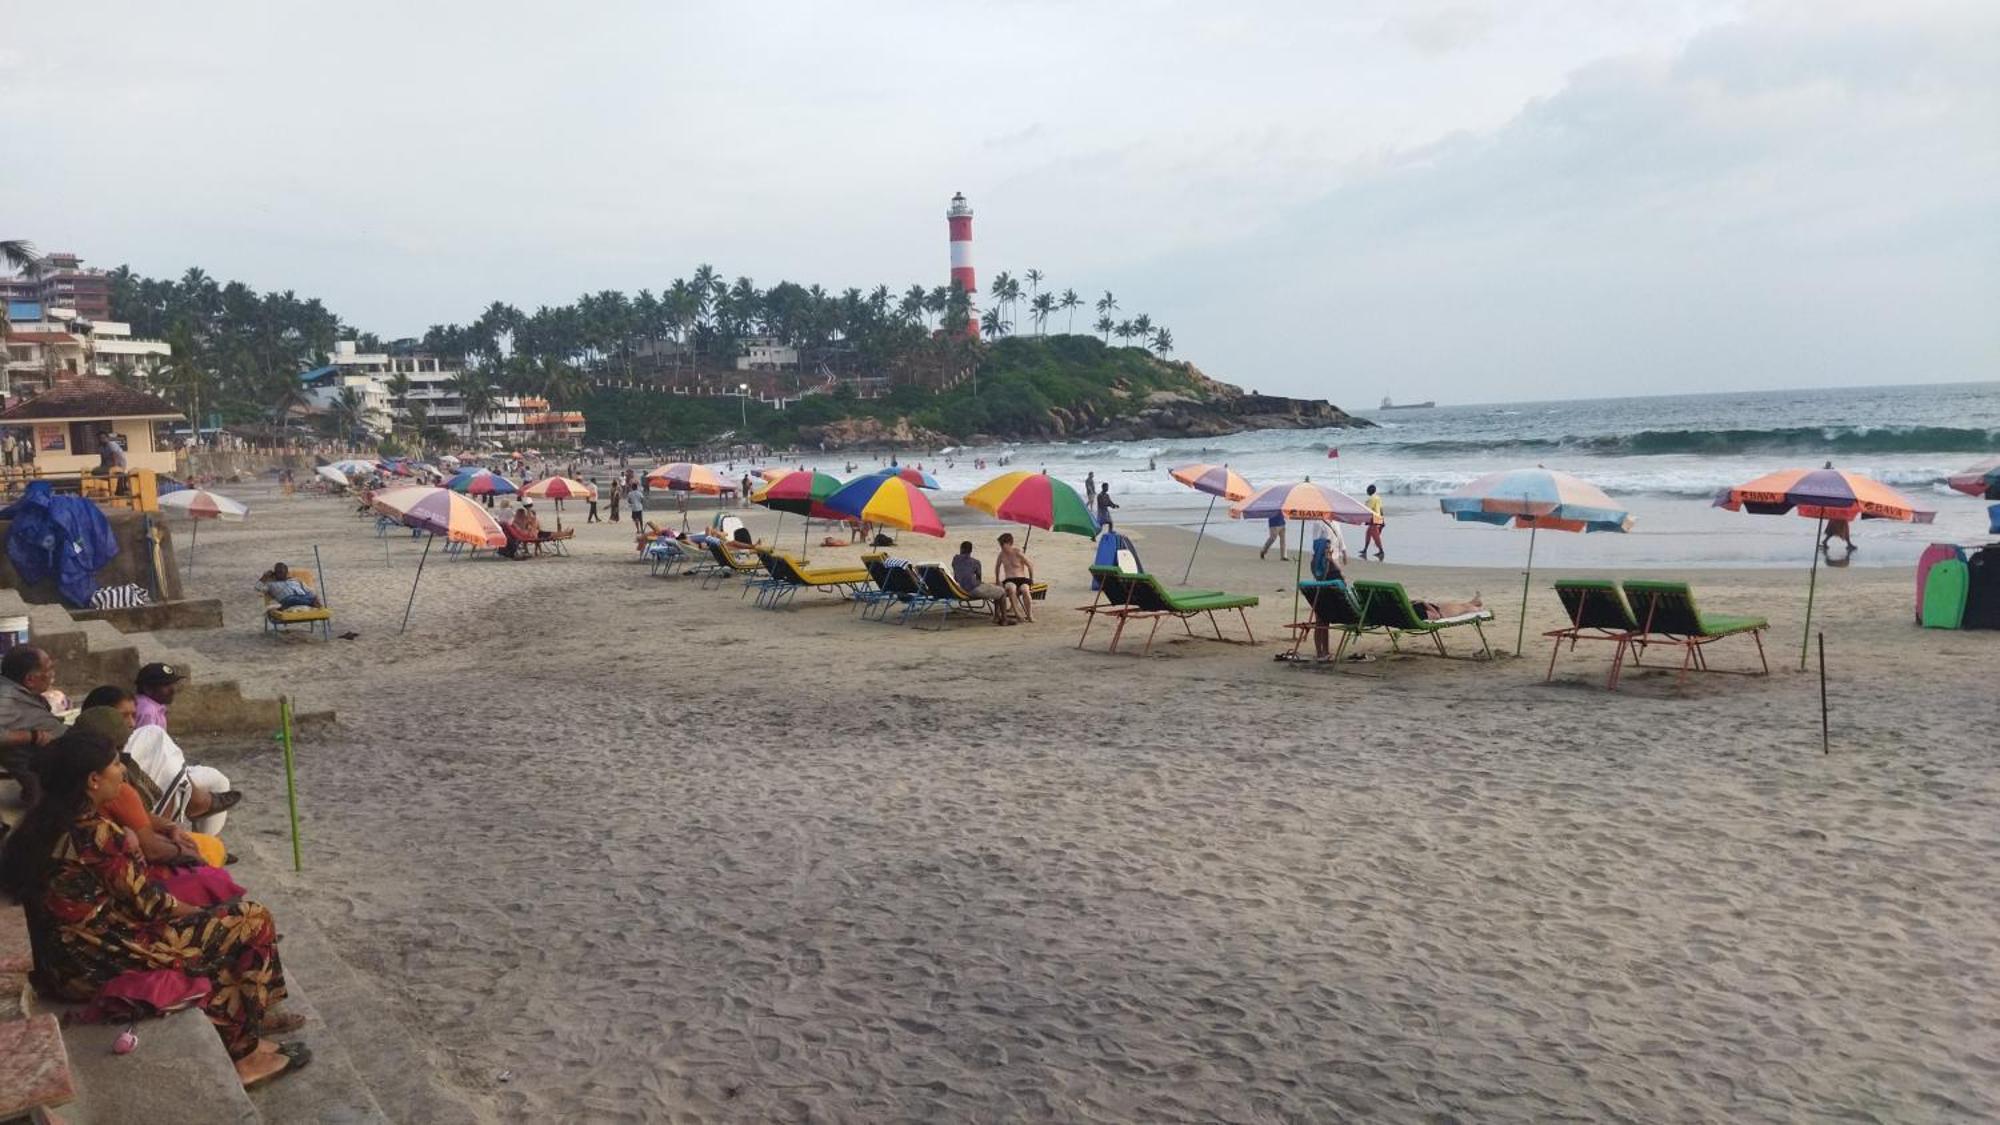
column 959, row 218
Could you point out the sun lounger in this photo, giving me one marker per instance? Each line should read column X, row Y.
column 1127, row 596
column 278, row 620
column 1597, row 611
column 1667, row 615
column 892, row 583
column 667, row 555
column 788, row 578
column 1386, row 609
column 726, row 564
column 1329, row 605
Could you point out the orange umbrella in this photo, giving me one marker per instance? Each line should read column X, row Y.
column 1217, row 481
column 684, row 476
column 439, row 511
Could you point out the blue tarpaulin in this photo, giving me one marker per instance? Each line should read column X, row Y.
column 1108, row 547
column 64, row 538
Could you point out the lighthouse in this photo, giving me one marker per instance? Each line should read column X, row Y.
column 958, row 217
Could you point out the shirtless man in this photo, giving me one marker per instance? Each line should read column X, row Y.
column 1017, row 577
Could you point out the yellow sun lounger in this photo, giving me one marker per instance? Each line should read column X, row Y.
column 788, row 578
column 277, row 620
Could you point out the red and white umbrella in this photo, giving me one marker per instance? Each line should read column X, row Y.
column 560, row 488
column 199, row 504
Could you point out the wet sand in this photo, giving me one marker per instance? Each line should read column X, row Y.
column 653, row 854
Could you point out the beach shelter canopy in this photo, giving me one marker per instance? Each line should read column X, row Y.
column 1820, row 494
column 560, row 488
column 890, row 500
column 1035, row 499
column 201, row 504
column 916, row 477
column 1216, row 480
column 329, row 473
column 684, row 476
column 441, row 511
column 1302, row 500
column 802, row 493
column 1535, row 499
column 355, row 468
column 1981, row 480
column 1221, row 483
column 481, row 482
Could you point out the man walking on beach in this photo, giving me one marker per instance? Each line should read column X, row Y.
column 1374, row 525
column 591, row 516
column 1089, row 487
column 1274, row 532
column 638, row 505
column 1104, row 506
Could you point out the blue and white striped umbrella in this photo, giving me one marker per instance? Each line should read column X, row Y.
column 1535, row 498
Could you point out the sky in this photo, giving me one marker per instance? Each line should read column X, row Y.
column 1454, row 199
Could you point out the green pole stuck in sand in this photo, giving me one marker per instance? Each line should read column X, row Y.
column 291, row 780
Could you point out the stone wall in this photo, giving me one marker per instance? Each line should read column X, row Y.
column 135, row 561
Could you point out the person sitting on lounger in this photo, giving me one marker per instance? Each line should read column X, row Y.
column 1328, row 553
column 966, row 572
column 1017, row 577
column 290, row 593
column 1438, row 611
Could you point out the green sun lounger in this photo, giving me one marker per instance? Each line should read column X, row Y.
column 1127, row 596
column 1329, row 605
column 1667, row 615
column 1596, row 611
column 1386, row 609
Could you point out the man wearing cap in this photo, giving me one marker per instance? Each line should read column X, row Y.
column 165, row 763
column 26, row 723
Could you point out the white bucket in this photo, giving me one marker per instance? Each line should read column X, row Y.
column 13, row 632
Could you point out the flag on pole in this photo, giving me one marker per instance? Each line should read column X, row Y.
column 1334, row 452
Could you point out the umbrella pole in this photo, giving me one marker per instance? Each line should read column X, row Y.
column 414, row 581
column 1298, row 568
column 1029, row 534
column 1812, row 586
column 320, row 570
column 194, row 540
column 780, row 527
column 1197, row 540
column 1527, row 576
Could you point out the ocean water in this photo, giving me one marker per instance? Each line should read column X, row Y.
column 1665, row 456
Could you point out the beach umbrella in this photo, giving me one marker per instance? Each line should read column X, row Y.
column 1035, row 499
column 354, row 468
column 333, row 475
column 1535, row 499
column 1820, row 494
column 1301, row 501
column 480, row 482
column 804, row 493
column 890, row 500
column 560, row 488
column 1981, row 480
column 439, row 511
column 1219, row 481
column 199, row 504
column 915, row 476
column 684, row 476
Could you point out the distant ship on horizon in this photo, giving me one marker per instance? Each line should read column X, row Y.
column 1427, row 404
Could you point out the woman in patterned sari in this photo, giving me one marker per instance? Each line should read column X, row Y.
column 93, row 914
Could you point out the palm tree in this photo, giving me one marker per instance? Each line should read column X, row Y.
column 350, row 414
column 1163, row 343
column 1069, row 303
column 1000, row 285
column 1107, row 304
column 992, row 324
column 1142, row 327
column 1043, row 305
column 1103, row 327
column 475, row 396
column 1123, row 331
column 19, row 254
column 1034, row 284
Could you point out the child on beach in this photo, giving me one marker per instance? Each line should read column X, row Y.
column 1374, row 525
column 1017, row 577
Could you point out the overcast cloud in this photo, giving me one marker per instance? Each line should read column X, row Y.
column 1465, row 200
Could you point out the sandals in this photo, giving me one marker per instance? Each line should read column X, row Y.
column 223, row 802
column 282, row 1023
column 297, row 1057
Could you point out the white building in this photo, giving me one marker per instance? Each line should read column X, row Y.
column 512, row 420
column 766, row 353
column 47, row 344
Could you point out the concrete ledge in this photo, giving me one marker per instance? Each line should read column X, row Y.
column 180, row 1075
column 202, row 613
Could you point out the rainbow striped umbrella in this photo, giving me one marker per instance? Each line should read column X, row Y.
column 1219, row 481
column 890, row 500
column 1981, row 480
column 481, row 482
column 803, row 493
column 1535, row 499
column 200, row 504
column 1302, row 501
column 684, row 476
column 439, row 511
column 1035, row 499
column 560, row 488
column 1820, row 494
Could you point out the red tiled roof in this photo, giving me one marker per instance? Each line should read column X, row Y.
column 89, row 397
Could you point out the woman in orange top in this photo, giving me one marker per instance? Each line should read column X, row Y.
column 187, row 864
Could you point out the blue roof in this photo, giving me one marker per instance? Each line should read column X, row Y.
column 24, row 310
column 309, row 376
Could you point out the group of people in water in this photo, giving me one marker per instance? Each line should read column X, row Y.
column 119, row 864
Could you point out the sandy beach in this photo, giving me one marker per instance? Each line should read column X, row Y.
column 617, row 848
